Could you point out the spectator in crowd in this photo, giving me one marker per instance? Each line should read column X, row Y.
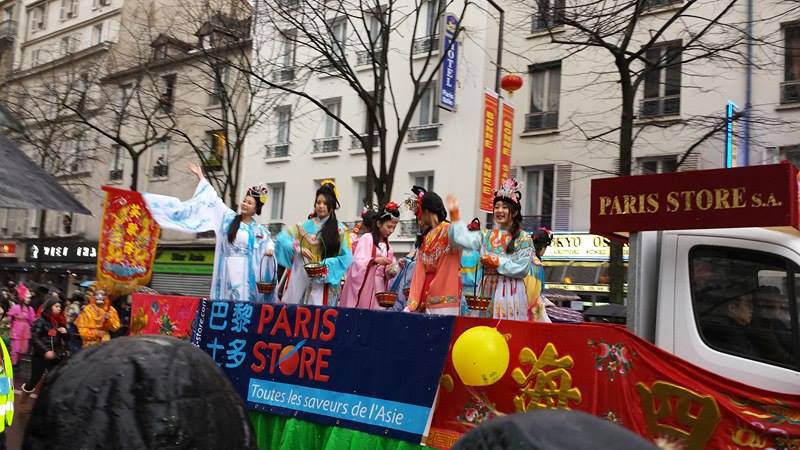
column 22, row 317
column 48, row 337
column 123, row 306
column 97, row 319
column 163, row 393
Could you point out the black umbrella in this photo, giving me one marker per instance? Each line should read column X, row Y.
column 23, row 184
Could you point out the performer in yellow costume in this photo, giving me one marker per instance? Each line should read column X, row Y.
column 97, row 320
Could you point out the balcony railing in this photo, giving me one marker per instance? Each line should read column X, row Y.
column 326, row 145
column 790, row 91
column 654, row 4
column 8, row 30
column 115, row 175
column 408, row 228
column 356, row 143
column 545, row 120
column 427, row 44
column 283, row 75
column 326, row 64
column 288, row 4
column 423, row 133
column 367, row 57
column 660, row 106
column 161, row 171
column 277, row 151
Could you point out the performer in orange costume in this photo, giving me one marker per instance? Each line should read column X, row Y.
column 97, row 320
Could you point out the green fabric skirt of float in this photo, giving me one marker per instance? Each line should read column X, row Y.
column 285, row 433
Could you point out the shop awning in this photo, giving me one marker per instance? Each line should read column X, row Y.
column 23, row 184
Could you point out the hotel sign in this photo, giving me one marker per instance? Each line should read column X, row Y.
column 579, row 246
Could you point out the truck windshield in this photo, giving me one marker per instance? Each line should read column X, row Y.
column 745, row 303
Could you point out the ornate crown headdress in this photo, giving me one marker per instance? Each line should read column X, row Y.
column 509, row 190
column 259, row 192
column 414, row 201
column 332, row 185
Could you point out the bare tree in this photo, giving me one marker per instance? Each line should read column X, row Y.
column 374, row 47
column 648, row 44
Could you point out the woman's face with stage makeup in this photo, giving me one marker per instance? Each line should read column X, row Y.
column 321, row 207
column 248, row 206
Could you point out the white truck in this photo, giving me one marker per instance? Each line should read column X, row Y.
column 725, row 299
column 684, row 282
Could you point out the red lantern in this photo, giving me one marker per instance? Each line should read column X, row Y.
column 511, row 82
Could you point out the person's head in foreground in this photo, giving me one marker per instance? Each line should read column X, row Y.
column 143, row 392
column 551, row 430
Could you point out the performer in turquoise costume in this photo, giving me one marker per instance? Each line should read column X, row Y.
column 320, row 240
column 505, row 251
column 241, row 245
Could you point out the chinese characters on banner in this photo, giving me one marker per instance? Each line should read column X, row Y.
column 335, row 366
column 488, row 180
column 169, row 315
column 507, row 135
column 128, row 240
column 608, row 372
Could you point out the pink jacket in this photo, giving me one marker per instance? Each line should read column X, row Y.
column 22, row 318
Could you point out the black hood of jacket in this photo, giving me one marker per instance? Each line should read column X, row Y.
column 143, row 392
column 551, row 430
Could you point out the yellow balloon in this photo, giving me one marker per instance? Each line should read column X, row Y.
column 480, row 356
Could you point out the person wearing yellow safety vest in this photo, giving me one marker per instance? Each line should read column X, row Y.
column 6, row 393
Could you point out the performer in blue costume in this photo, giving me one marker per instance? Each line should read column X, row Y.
column 241, row 241
column 320, row 240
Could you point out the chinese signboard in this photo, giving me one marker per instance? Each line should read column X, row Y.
column 189, row 261
column 753, row 196
column 579, row 247
column 447, row 87
column 609, row 372
column 488, row 180
column 129, row 236
column 336, row 366
column 61, row 251
column 506, row 136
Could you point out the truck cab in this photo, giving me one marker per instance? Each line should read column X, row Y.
column 723, row 299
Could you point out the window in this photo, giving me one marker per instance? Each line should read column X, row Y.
column 220, row 84
column 207, row 41
column 284, row 124
column 662, row 82
column 33, row 216
column 66, row 225
column 35, row 56
column 78, row 157
column 744, row 302
column 423, row 179
column 160, row 52
column 427, row 117
column 217, row 142
column 4, row 221
column 791, row 153
column 659, row 164
column 545, row 93
column 539, row 196
column 276, row 191
column 97, row 34
column 69, row 9
column 374, row 29
column 117, row 164
column 334, row 106
column 8, row 13
column 99, row 3
column 168, row 93
column 288, row 48
column 38, row 15
column 790, row 88
column 338, row 38
column 432, row 16
column 361, row 196
column 549, row 14
column 160, row 159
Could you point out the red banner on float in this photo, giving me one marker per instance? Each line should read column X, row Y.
column 753, row 196
column 506, row 136
column 608, row 372
column 169, row 315
column 488, row 179
column 127, row 244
